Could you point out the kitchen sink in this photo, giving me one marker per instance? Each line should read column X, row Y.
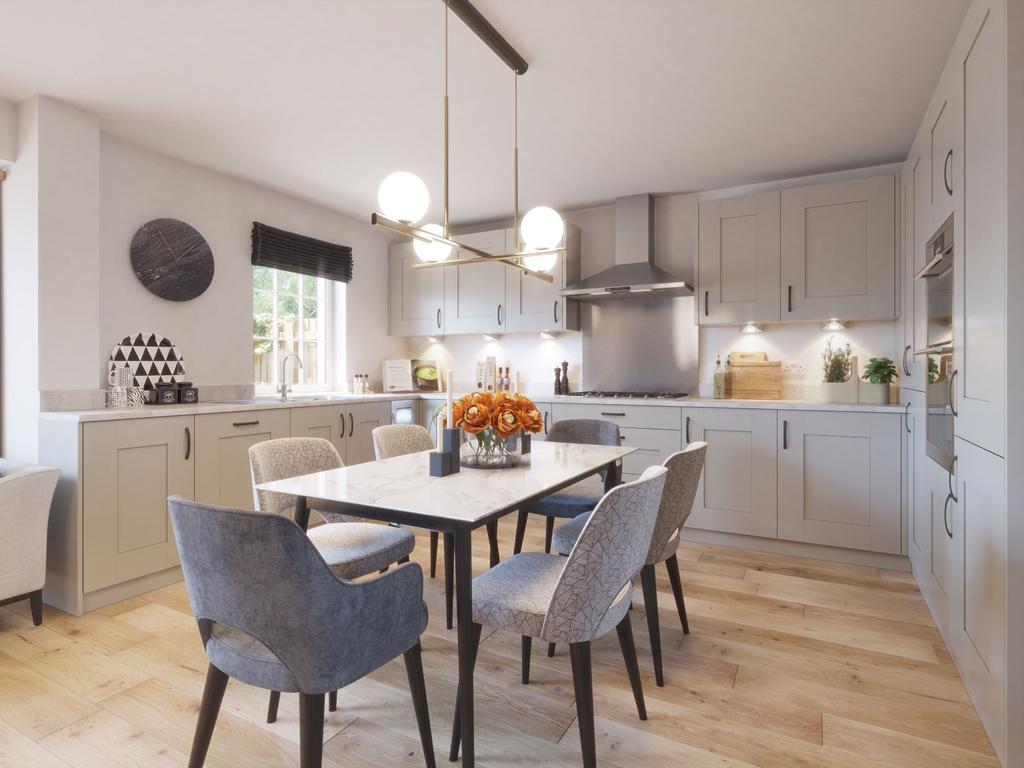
column 275, row 400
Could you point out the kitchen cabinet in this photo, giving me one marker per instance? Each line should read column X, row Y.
column 363, row 418
column 737, row 492
column 534, row 305
column 738, row 259
column 979, row 314
column 653, row 447
column 838, row 250
column 222, row 445
column 132, row 467
column 918, row 513
column 839, row 479
column 635, row 416
column 329, row 422
column 474, row 294
column 416, row 296
column 913, row 311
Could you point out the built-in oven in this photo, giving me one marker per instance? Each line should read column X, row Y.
column 937, row 275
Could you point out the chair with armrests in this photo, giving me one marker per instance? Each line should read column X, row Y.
column 272, row 614
column 26, row 492
column 351, row 547
column 684, row 471
column 579, row 599
column 578, row 498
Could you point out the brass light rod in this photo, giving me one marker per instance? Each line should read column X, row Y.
column 509, row 259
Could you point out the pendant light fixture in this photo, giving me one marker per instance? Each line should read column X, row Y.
column 404, row 199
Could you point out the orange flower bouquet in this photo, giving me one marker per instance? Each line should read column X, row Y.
column 499, row 425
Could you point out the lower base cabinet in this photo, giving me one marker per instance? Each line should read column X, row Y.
column 130, row 468
column 328, row 422
column 653, row 446
column 839, row 480
column 363, row 418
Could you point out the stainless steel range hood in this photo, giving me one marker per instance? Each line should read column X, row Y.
column 634, row 274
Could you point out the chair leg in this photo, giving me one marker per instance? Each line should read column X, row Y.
column 527, row 646
column 403, row 560
column 672, row 564
column 433, row 554
column 275, row 699
column 551, row 650
column 520, row 531
column 625, row 631
column 35, row 601
column 213, row 695
column 332, row 701
column 311, row 730
column 492, row 539
column 549, row 530
column 453, row 753
column 418, row 688
column 449, row 580
column 651, row 607
column 583, row 682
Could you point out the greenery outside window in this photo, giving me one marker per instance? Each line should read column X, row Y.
column 290, row 315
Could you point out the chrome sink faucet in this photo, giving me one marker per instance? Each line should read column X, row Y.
column 283, row 387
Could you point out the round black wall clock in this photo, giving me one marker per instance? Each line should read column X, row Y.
column 172, row 259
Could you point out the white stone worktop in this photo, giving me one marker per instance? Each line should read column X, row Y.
column 256, row 404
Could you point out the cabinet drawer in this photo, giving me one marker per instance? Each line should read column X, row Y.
column 654, row 446
column 637, row 416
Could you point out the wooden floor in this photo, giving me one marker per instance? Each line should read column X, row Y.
column 790, row 663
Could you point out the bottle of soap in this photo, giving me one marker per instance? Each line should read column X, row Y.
column 719, row 379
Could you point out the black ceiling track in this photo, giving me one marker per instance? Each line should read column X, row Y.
column 483, row 29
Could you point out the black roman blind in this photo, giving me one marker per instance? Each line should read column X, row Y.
column 277, row 249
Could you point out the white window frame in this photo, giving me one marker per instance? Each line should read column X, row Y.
column 325, row 294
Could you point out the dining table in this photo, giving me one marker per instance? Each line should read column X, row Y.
column 401, row 490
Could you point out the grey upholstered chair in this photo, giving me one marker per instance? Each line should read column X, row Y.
column 26, row 492
column 272, row 614
column 576, row 499
column 351, row 547
column 579, row 599
column 684, row 470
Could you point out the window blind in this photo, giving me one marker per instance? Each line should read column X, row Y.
column 278, row 249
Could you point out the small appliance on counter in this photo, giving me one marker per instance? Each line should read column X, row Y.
column 173, row 394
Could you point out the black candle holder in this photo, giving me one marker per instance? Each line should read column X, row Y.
column 447, row 461
column 524, row 441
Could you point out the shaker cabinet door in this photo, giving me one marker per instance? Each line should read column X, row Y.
column 363, row 419
column 474, row 294
column 839, row 479
column 737, row 492
column 129, row 468
column 416, row 296
column 329, row 422
column 838, row 251
column 738, row 259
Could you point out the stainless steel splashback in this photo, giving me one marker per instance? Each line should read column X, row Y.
column 642, row 345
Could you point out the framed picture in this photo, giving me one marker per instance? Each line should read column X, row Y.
column 426, row 376
column 398, row 376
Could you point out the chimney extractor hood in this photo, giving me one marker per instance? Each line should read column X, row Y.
column 634, row 273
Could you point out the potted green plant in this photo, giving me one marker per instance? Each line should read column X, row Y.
column 876, row 381
column 837, row 365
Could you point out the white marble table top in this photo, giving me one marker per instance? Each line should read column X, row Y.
column 404, row 484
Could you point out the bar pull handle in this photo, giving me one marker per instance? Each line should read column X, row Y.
column 949, row 481
column 351, row 424
column 188, row 443
column 906, row 369
column 687, row 430
column 946, row 167
column 546, row 419
column 945, row 517
column 556, row 311
column 499, row 314
column 785, row 435
column 952, row 391
column 438, row 317
column 906, row 417
column 609, row 413
column 245, row 423
column 706, row 303
column 789, row 298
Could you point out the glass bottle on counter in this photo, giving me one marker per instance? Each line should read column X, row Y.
column 719, row 379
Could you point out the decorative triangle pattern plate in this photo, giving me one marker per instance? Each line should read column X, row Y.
column 151, row 358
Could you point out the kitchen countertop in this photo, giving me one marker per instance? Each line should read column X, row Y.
column 257, row 404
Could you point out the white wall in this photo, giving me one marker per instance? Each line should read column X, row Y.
column 8, row 131
column 214, row 331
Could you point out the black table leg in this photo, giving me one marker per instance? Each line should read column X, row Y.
column 464, row 607
column 612, row 476
column 301, row 512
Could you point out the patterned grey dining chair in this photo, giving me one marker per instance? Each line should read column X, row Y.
column 579, row 599
column 272, row 614
column 576, row 499
column 401, row 439
column 351, row 547
column 684, row 470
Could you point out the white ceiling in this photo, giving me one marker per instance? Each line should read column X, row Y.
column 323, row 98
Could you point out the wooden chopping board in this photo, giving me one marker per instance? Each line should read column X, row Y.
column 752, row 376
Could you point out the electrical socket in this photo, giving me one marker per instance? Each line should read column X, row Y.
column 790, row 368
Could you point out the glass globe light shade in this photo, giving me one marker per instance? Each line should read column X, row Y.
column 543, row 262
column 403, row 197
column 434, row 251
column 542, row 228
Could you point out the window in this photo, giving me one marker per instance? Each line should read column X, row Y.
column 290, row 315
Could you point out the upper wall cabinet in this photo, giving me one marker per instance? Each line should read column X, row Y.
column 474, row 294
column 738, row 259
column 416, row 295
column 534, row 305
column 838, row 250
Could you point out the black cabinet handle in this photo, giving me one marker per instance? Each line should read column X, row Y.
column 906, row 369
column 706, row 303
column 245, row 423
column 499, row 314
column 556, row 311
column 785, row 435
column 906, row 417
column 438, row 317
column 949, row 481
column 188, row 443
column 789, row 298
column 946, row 167
column 945, row 516
column 351, row 424
column 546, row 418
column 687, row 430
column 952, row 391
column 609, row 413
